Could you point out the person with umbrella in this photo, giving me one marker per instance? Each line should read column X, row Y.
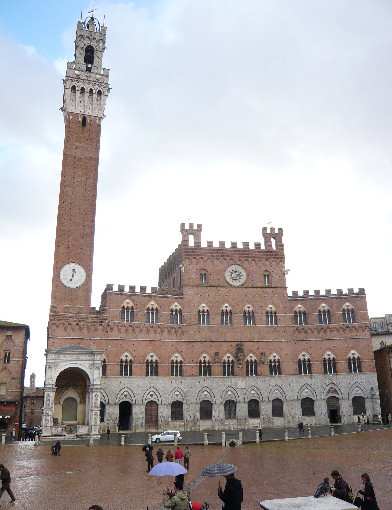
column 232, row 496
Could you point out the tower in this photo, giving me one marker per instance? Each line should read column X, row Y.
column 86, row 87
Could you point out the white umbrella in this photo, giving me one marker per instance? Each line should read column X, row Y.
column 168, row 469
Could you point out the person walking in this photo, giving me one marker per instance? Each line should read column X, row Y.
column 187, row 455
column 178, row 455
column 160, row 454
column 169, row 456
column 5, row 482
column 177, row 500
column 369, row 498
column 149, row 459
column 108, row 433
column 233, row 495
column 341, row 488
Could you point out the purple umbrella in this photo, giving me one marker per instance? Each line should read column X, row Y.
column 168, row 469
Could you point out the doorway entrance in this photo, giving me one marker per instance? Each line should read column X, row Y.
column 125, row 415
column 151, row 417
column 333, row 409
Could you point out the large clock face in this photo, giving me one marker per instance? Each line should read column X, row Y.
column 72, row 275
column 235, row 275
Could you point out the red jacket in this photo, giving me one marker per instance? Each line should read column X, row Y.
column 178, row 454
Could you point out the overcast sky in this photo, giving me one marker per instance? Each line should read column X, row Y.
column 233, row 114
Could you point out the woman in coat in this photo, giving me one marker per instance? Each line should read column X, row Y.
column 369, row 498
column 177, row 500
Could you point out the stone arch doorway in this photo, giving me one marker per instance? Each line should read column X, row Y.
column 151, row 415
column 71, row 400
column 125, row 415
column 333, row 409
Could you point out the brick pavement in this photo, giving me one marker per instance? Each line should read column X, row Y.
column 116, row 477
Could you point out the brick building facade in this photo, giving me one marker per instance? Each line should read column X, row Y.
column 13, row 349
column 381, row 331
column 218, row 343
column 33, row 402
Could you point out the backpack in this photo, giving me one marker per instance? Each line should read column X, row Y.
column 350, row 492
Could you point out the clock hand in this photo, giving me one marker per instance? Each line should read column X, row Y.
column 73, row 274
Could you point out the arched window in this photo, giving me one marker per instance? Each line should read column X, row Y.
column 205, row 410
column 354, row 363
column 277, row 408
column 348, row 314
column 324, row 315
column 299, row 316
column 204, row 366
column 251, row 365
column 270, row 316
column 253, row 408
column 73, row 89
column 103, row 367
column 228, row 365
column 175, row 314
column 226, row 316
column 151, row 365
column 274, row 365
column 89, row 57
column 125, row 365
column 177, row 411
column 176, row 366
column 84, row 122
column 359, row 406
column 230, row 409
column 203, row 316
column 249, row 316
column 152, row 313
column 266, row 278
column 307, row 406
column 203, row 277
column 304, row 365
column 329, row 363
column 127, row 312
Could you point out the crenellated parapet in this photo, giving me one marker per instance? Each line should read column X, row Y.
column 328, row 293
column 191, row 231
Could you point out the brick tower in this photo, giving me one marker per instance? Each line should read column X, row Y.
column 86, row 88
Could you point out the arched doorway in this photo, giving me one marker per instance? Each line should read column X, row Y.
column 71, row 401
column 333, row 409
column 125, row 415
column 151, row 415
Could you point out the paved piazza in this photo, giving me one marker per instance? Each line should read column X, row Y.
column 115, row 477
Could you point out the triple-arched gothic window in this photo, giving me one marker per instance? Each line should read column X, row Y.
column 151, row 365
column 249, row 316
column 127, row 312
column 176, row 314
column 152, row 313
column 354, row 362
column 126, row 365
column 251, row 365
column 226, row 316
column 270, row 316
column 228, row 365
column 176, row 365
column 204, row 366
column 274, row 365
column 348, row 314
column 203, row 315
column 329, row 363
column 304, row 364
column 300, row 316
column 324, row 315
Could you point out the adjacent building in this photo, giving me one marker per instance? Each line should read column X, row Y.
column 13, row 349
column 33, row 402
column 381, row 330
column 218, row 343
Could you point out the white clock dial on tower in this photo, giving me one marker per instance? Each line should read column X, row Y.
column 235, row 275
column 72, row 275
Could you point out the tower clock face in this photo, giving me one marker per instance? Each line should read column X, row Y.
column 235, row 275
column 72, row 275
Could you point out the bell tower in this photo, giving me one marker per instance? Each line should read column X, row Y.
column 86, row 87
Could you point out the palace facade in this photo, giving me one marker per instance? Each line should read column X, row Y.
column 218, row 343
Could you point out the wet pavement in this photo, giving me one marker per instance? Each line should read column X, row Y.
column 115, row 477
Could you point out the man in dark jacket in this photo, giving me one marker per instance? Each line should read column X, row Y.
column 5, row 482
column 149, row 459
column 340, row 488
column 232, row 496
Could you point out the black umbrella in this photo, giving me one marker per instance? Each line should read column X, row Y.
column 149, row 446
column 218, row 470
